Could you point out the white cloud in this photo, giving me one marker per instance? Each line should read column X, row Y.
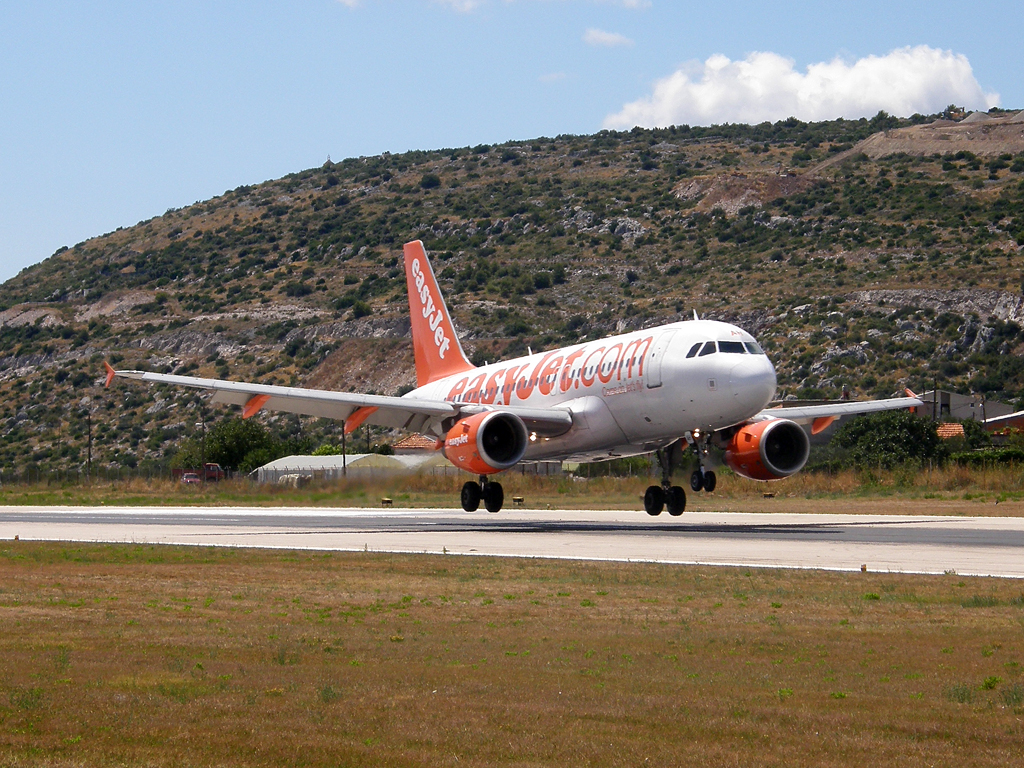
column 606, row 39
column 766, row 86
column 465, row 6
column 462, row 6
column 552, row 77
column 350, row 3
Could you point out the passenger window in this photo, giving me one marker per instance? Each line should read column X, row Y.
column 693, row 350
column 709, row 349
column 732, row 347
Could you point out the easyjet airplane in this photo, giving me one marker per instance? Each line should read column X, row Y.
column 674, row 389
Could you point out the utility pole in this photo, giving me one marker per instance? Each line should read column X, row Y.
column 202, row 455
column 88, row 460
column 367, row 428
column 344, row 459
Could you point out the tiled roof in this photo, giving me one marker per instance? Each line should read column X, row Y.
column 415, row 443
column 947, row 431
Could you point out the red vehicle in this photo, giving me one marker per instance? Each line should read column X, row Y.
column 210, row 473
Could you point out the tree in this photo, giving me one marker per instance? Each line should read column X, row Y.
column 239, row 444
column 327, row 450
column 889, row 439
column 975, row 434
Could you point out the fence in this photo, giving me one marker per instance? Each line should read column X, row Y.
column 293, row 472
column 59, row 477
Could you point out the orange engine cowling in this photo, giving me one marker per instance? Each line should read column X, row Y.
column 486, row 442
column 768, row 450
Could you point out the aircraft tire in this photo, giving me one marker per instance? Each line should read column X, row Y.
column 654, row 500
column 494, row 497
column 676, row 500
column 471, row 496
column 696, row 481
column 710, row 481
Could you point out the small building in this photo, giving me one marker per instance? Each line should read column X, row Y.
column 940, row 405
column 415, row 444
column 1008, row 422
column 370, row 465
column 352, row 466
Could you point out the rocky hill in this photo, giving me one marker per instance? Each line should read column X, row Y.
column 864, row 256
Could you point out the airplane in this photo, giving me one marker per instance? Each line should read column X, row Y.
column 672, row 390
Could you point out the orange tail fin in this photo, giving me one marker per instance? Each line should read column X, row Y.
column 437, row 349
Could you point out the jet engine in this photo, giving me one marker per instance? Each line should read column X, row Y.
column 486, row 442
column 768, row 450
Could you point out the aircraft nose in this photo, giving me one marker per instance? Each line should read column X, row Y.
column 752, row 380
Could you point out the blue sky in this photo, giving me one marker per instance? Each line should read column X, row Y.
column 112, row 112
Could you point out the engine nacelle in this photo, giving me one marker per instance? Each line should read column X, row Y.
column 768, row 450
column 486, row 442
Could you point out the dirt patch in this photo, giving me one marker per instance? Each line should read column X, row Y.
column 114, row 305
column 735, row 191
column 17, row 316
column 366, row 365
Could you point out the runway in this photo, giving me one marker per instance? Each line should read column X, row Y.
column 987, row 546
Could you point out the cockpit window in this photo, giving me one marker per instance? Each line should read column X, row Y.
column 709, row 349
column 732, row 347
column 693, row 350
column 753, row 348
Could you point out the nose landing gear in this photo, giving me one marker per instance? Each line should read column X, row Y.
column 703, row 480
column 491, row 493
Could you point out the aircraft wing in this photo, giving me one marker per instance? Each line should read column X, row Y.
column 821, row 416
column 354, row 409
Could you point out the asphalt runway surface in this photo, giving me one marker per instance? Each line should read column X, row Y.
column 986, row 546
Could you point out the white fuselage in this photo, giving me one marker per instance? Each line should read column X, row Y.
column 628, row 394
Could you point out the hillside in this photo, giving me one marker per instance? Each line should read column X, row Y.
column 858, row 267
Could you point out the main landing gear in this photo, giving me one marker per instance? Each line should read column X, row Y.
column 673, row 497
column 658, row 497
column 491, row 493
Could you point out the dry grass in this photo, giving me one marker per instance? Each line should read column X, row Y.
column 143, row 655
column 953, row 483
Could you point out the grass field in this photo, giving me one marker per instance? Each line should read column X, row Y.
column 1002, row 484
column 146, row 655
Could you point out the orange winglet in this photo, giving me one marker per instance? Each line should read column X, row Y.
column 357, row 417
column 253, row 406
column 913, row 409
column 111, row 373
column 821, row 423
